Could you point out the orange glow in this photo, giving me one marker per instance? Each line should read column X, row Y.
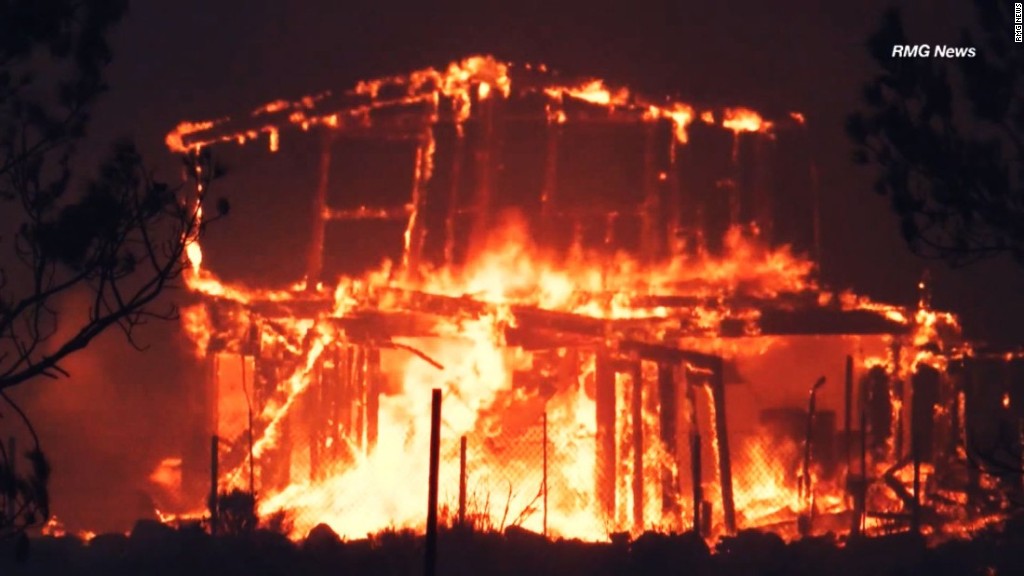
column 744, row 120
column 428, row 85
column 275, row 140
column 459, row 322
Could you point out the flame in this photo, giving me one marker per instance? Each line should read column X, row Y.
column 484, row 74
column 360, row 484
column 745, row 120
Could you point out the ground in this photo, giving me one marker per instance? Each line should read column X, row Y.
column 154, row 549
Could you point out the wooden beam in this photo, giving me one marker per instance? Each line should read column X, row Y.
column 605, row 441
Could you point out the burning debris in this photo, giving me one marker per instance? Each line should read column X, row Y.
column 613, row 295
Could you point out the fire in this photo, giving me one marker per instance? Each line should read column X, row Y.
column 745, row 120
column 334, row 373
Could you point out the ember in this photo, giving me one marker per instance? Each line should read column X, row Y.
column 621, row 352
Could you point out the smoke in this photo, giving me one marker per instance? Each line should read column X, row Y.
column 107, row 426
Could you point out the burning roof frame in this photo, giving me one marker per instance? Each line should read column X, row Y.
column 409, row 107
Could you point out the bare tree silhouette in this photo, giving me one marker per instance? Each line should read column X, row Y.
column 120, row 239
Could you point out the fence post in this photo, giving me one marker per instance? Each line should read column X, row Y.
column 430, row 558
column 214, row 461
column 545, row 474
column 462, row 481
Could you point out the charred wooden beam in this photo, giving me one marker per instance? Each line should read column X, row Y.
column 315, row 258
column 416, row 228
column 303, row 306
column 650, row 237
column 667, row 354
column 924, row 397
column 374, row 376
column 338, row 381
column 848, row 410
column 605, row 440
column 314, row 409
column 549, row 187
column 536, row 318
column 637, row 418
column 667, row 416
column 485, row 154
column 674, row 198
column 823, row 321
column 454, row 203
column 439, row 304
column 539, row 339
column 696, row 471
column 722, row 434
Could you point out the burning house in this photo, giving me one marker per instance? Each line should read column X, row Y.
column 616, row 296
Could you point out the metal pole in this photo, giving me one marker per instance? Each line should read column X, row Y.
column 430, row 558
column 214, row 461
column 545, row 451
column 807, row 502
column 462, row 481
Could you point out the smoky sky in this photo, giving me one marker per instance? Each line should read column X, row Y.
column 196, row 59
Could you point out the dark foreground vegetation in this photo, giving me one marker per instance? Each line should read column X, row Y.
column 155, row 549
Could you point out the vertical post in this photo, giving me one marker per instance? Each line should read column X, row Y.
column 372, row 397
column 637, row 416
column 649, row 213
column 359, row 394
column 675, row 197
column 545, row 472
column 485, row 149
column 860, row 490
column 605, row 413
column 430, row 558
column 915, row 519
column 415, row 229
column 807, row 499
column 453, row 195
column 898, row 388
column 549, row 188
column 249, row 401
column 848, row 410
column 722, row 434
column 695, row 457
column 315, row 258
column 214, row 473
column 667, row 421
column 313, row 417
column 462, row 481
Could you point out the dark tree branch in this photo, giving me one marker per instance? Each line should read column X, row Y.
column 948, row 153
